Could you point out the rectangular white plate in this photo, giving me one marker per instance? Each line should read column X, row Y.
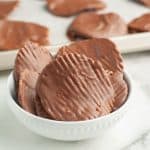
column 35, row 11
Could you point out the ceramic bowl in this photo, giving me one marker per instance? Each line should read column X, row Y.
column 64, row 130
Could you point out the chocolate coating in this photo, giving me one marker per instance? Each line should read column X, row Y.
column 145, row 2
column 140, row 24
column 106, row 52
column 120, row 89
column 7, row 7
column 94, row 25
column 74, row 87
column 98, row 49
column 26, row 90
column 39, row 108
column 72, row 7
column 31, row 57
column 14, row 34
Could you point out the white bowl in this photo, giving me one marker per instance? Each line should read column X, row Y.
column 63, row 130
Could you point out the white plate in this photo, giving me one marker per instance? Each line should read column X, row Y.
column 35, row 11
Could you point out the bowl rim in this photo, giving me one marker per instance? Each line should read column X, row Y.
column 127, row 78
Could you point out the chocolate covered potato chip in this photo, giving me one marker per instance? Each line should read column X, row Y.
column 108, row 54
column 74, row 87
column 31, row 57
column 72, row 7
column 140, row 24
column 14, row 34
column 94, row 25
column 6, row 7
column 26, row 90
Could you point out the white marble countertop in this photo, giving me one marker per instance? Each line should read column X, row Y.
column 136, row 64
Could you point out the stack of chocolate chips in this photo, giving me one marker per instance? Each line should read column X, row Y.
column 83, row 81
